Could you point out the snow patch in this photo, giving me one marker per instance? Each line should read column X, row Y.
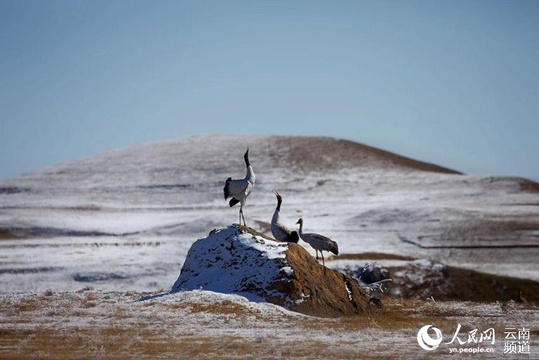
column 230, row 261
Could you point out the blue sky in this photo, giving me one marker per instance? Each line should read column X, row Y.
column 455, row 82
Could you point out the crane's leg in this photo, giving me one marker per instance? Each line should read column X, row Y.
column 316, row 254
column 323, row 262
column 241, row 216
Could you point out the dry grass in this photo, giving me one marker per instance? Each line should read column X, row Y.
column 127, row 344
column 370, row 256
column 97, row 325
column 457, row 284
column 7, row 235
column 226, row 307
column 528, row 185
column 313, row 153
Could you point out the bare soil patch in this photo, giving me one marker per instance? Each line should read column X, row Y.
column 312, row 153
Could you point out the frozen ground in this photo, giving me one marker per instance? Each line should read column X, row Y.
column 90, row 249
column 202, row 324
column 125, row 220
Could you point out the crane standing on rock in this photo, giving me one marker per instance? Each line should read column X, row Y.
column 279, row 231
column 318, row 242
column 239, row 189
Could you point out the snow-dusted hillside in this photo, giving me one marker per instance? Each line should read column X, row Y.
column 124, row 220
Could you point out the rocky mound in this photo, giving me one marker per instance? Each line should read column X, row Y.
column 239, row 260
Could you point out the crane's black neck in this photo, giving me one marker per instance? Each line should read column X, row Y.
column 300, row 222
column 246, row 158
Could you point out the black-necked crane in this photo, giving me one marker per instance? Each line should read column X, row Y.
column 279, row 231
column 318, row 242
column 239, row 189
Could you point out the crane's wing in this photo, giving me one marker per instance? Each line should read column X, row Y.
column 282, row 233
column 235, row 187
column 323, row 243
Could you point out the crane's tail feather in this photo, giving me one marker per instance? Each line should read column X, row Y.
column 233, row 202
column 226, row 188
column 334, row 248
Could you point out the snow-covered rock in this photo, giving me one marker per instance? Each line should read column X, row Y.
column 239, row 260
